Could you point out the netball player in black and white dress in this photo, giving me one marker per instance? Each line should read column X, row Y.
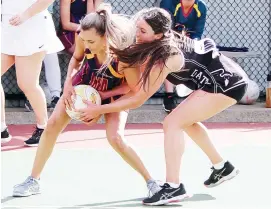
column 217, row 81
column 27, row 35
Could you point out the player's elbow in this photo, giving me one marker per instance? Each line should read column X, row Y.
column 135, row 88
column 65, row 25
column 133, row 91
column 139, row 101
column 126, row 89
column 136, row 105
column 136, row 102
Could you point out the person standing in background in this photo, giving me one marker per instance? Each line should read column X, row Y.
column 71, row 12
column 27, row 36
column 52, row 74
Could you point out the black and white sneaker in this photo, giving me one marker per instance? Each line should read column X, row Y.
column 219, row 176
column 5, row 136
column 35, row 138
column 167, row 195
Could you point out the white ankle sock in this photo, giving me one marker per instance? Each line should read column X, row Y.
column 41, row 126
column 173, row 185
column 3, row 126
column 220, row 165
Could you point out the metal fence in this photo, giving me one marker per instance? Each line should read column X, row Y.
column 231, row 23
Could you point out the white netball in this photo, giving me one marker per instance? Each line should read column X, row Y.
column 252, row 93
column 83, row 92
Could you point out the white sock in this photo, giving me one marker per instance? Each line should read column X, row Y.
column 41, row 126
column 3, row 126
column 220, row 165
column 35, row 178
column 173, row 185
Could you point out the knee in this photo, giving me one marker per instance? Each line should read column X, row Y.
column 51, row 127
column 172, row 123
column 169, row 123
column 51, row 124
column 116, row 140
column 26, row 86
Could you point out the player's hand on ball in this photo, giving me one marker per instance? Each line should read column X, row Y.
column 92, row 121
column 87, row 114
column 68, row 92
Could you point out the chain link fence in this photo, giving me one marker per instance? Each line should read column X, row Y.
column 231, row 23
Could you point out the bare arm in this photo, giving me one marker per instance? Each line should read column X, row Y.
column 132, row 76
column 119, row 90
column 135, row 98
column 156, row 79
column 74, row 65
column 133, row 101
column 77, row 57
column 65, row 15
column 37, row 7
column 90, row 6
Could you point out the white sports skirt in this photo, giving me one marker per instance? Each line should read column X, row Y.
column 34, row 35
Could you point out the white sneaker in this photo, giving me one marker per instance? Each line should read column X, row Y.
column 29, row 187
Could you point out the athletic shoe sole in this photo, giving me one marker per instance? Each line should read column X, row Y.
column 168, row 201
column 234, row 173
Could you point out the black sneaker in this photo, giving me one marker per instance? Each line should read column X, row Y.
column 53, row 102
column 219, row 176
column 35, row 138
column 169, row 102
column 5, row 136
column 28, row 106
column 166, row 195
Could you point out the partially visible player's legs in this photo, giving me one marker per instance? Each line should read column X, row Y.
column 115, row 124
column 189, row 113
column 56, row 123
column 6, row 62
column 185, row 115
column 199, row 134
